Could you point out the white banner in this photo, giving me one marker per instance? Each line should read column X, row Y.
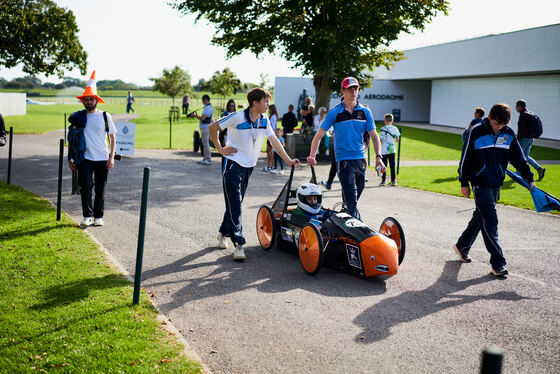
column 126, row 133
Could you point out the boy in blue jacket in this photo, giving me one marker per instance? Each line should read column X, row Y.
column 489, row 146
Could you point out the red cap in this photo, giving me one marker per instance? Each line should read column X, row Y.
column 349, row 82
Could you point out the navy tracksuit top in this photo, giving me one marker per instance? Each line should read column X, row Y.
column 486, row 154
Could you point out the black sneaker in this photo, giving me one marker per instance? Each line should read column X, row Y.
column 500, row 272
column 541, row 173
column 463, row 256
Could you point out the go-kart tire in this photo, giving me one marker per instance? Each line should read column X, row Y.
column 196, row 141
column 391, row 228
column 266, row 227
column 310, row 248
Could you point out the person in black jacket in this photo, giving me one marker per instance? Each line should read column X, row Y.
column 2, row 131
column 489, row 146
column 524, row 135
column 289, row 120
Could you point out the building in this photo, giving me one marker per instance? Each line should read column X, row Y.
column 442, row 84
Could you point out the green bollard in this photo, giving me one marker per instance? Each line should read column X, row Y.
column 170, row 131
column 64, row 128
column 59, row 196
column 10, row 154
column 141, row 233
column 492, row 358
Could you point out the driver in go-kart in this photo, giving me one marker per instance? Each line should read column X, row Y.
column 309, row 201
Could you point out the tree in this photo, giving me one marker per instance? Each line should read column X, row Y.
column 174, row 82
column 327, row 39
column 27, row 82
column 41, row 36
column 224, row 83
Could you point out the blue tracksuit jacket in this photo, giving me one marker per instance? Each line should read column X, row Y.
column 485, row 156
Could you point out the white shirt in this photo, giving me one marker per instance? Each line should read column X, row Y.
column 209, row 111
column 96, row 137
column 245, row 136
column 317, row 122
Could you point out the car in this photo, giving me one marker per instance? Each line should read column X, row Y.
column 338, row 240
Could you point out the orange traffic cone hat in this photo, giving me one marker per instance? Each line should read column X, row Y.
column 91, row 90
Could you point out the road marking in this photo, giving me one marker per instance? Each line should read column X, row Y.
column 534, row 280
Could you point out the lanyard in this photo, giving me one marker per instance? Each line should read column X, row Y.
column 254, row 129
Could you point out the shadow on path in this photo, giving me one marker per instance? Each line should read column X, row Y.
column 269, row 272
column 378, row 320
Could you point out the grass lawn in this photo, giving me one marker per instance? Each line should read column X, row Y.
column 443, row 179
column 63, row 308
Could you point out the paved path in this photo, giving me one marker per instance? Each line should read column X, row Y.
column 267, row 316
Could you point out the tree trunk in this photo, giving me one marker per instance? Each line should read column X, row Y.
column 323, row 90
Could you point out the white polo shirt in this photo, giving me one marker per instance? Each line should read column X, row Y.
column 245, row 136
column 96, row 137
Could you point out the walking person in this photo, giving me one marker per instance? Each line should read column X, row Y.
column 246, row 131
column 317, row 122
column 389, row 135
column 186, row 103
column 349, row 119
column 204, row 120
column 490, row 145
column 129, row 101
column 524, row 136
column 95, row 160
column 479, row 113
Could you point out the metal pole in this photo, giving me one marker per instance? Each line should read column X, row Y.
column 64, row 128
column 492, row 358
column 368, row 158
column 399, row 151
column 10, row 154
column 59, row 196
column 141, row 233
column 170, row 131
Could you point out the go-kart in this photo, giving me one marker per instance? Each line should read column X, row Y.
column 337, row 240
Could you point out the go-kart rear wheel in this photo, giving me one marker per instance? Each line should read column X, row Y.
column 266, row 228
column 310, row 248
column 391, row 228
column 196, row 141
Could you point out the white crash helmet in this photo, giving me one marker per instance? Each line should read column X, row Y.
column 309, row 189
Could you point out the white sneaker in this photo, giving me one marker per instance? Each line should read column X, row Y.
column 239, row 253
column 281, row 172
column 98, row 222
column 327, row 152
column 222, row 241
column 273, row 171
column 87, row 221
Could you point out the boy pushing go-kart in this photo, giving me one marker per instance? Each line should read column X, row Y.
column 246, row 131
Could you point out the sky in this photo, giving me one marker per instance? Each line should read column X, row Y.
column 134, row 40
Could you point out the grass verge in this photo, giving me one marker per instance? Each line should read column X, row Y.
column 443, row 179
column 63, row 307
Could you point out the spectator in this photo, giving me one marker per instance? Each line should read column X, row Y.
column 389, row 134
column 307, row 123
column 489, row 147
column 186, row 103
column 230, row 109
column 129, row 101
column 524, row 135
column 204, row 120
column 478, row 115
column 273, row 117
column 277, row 159
column 289, row 120
column 247, row 128
column 317, row 122
column 94, row 163
column 301, row 103
column 349, row 119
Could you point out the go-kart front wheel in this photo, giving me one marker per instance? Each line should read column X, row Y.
column 391, row 228
column 266, row 229
column 310, row 248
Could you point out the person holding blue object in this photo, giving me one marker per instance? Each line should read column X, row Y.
column 349, row 119
column 489, row 146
